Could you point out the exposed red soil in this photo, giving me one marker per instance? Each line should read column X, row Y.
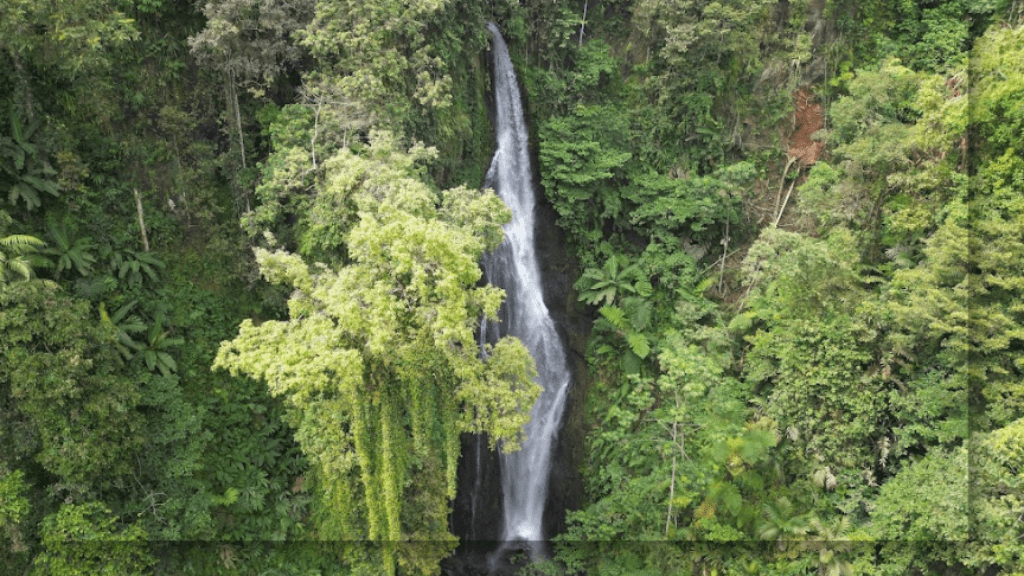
column 809, row 118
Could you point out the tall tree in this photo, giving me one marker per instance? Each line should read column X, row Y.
column 251, row 43
column 378, row 360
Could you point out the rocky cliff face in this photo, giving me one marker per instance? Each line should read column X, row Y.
column 823, row 32
column 560, row 271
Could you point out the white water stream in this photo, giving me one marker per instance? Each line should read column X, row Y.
column 513, row 266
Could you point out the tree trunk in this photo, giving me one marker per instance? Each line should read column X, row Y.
column 583, row 23
column 725, row 254
column 234, row 109
column 784, row 202
column 238, row 115
column 142, row 221
column 782, row 182
column 672, row 483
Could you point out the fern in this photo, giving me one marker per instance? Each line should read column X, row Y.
column 639, row 311
column 124, row 326
column 23, row 163
column 155, row 353
column 639, row 344
column 70, row 254
column 615, row 316
column 19, row 257
column 131, row 266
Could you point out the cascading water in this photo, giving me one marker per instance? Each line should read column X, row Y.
column 513, row 266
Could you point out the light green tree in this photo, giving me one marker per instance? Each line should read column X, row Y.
column 378, row 360
column 925, row 503
column 812, row 352
column 996, row 502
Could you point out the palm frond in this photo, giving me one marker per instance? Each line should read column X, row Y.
column 21, row 241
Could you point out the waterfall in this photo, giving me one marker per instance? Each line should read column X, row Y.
column 513, row 266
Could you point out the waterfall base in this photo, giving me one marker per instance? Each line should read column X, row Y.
column 494, row 558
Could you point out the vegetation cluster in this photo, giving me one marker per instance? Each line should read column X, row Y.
column 240, row 282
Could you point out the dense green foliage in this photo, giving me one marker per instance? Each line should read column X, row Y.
column 239, row 282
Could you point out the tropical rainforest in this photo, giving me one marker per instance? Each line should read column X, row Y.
column 240, row 282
